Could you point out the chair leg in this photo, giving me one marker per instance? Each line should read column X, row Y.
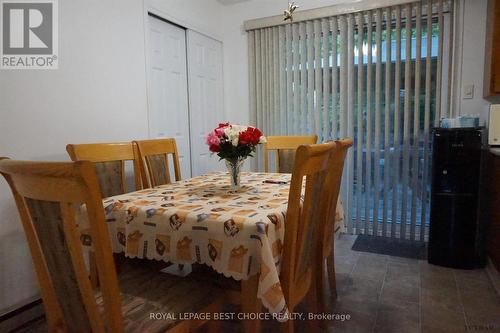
column 315, row 301
column 313, row 297
column 214, row 326
column 250, row 303
column 320, row 284
column 330, row 264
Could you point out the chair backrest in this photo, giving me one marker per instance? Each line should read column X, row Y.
column 153, row 157
column 305, row 214
column 47, row 195
column 285, row 147
column 332, row 191
column 109, row 161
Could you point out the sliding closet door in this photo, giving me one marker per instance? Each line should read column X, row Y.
column 168, row 87
column 205, row 97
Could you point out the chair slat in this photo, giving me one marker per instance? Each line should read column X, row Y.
column 285, row 147
column 46, row 217
column 110, row 176
column 153, row 160
column 109, row 161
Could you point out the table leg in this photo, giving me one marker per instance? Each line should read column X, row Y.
column 250, row 303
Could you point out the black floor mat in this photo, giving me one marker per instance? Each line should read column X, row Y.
column 390, row 246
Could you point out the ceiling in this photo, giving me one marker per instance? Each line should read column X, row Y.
column 230, row 2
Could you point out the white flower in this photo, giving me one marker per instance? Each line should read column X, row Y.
column 262, row 139
column 233, row 133
column 239, row 128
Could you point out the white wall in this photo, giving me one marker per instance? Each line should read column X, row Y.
column 97, row 94
column 472, row 64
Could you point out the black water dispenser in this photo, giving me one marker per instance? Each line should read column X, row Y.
column 456, row 236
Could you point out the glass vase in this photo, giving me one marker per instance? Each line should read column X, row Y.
column 234, row 168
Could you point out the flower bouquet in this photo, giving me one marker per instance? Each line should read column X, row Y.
column 234, row 143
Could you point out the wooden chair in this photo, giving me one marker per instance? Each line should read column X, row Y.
column 304, row 219
column 285, row 147
column 47, row 196
column 326, row 234
column 109, row 161
column 153, row 160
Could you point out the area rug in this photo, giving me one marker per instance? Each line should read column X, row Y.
column 390, row 246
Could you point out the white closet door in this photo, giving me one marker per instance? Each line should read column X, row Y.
column 168, row 91
column 205, row 98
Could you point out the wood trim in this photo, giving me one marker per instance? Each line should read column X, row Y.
column 17, row 311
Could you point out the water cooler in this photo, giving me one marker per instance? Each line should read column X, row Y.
column 457, row 230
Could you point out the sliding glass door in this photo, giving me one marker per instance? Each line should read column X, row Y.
column 377, row 77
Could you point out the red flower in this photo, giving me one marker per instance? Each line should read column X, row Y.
column 219, row 131
column 214, row 148
column 250, row 136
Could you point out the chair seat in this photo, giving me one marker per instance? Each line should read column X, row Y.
column 147, row 292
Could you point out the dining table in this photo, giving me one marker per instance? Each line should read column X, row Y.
column 239, row 234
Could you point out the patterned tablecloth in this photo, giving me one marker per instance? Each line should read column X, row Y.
column 199, row 220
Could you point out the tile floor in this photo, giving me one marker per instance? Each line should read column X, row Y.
column 391, row 294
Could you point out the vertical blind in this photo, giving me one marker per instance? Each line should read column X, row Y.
column 375, row 76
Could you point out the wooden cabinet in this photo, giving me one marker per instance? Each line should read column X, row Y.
column 492, row 54
column 493, row 203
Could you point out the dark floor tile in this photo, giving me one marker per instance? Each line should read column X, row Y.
column 345, row 250
column 357, row 324
column 399, row 292
column 348, row 305
column 476, row 279
column 487, row 322
column 403, row 317
column 362, row 315
column 480, row 300
column 370, row 266
column 343, row 280
column 445, row 298
column 436, row 279
column 403, row 260
column 345, row 264
column 440, row 319
column 433, row 329
column 372, row 259
column 435, row 271
column 482, row 307
column 405, row 273
column 361, row 288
